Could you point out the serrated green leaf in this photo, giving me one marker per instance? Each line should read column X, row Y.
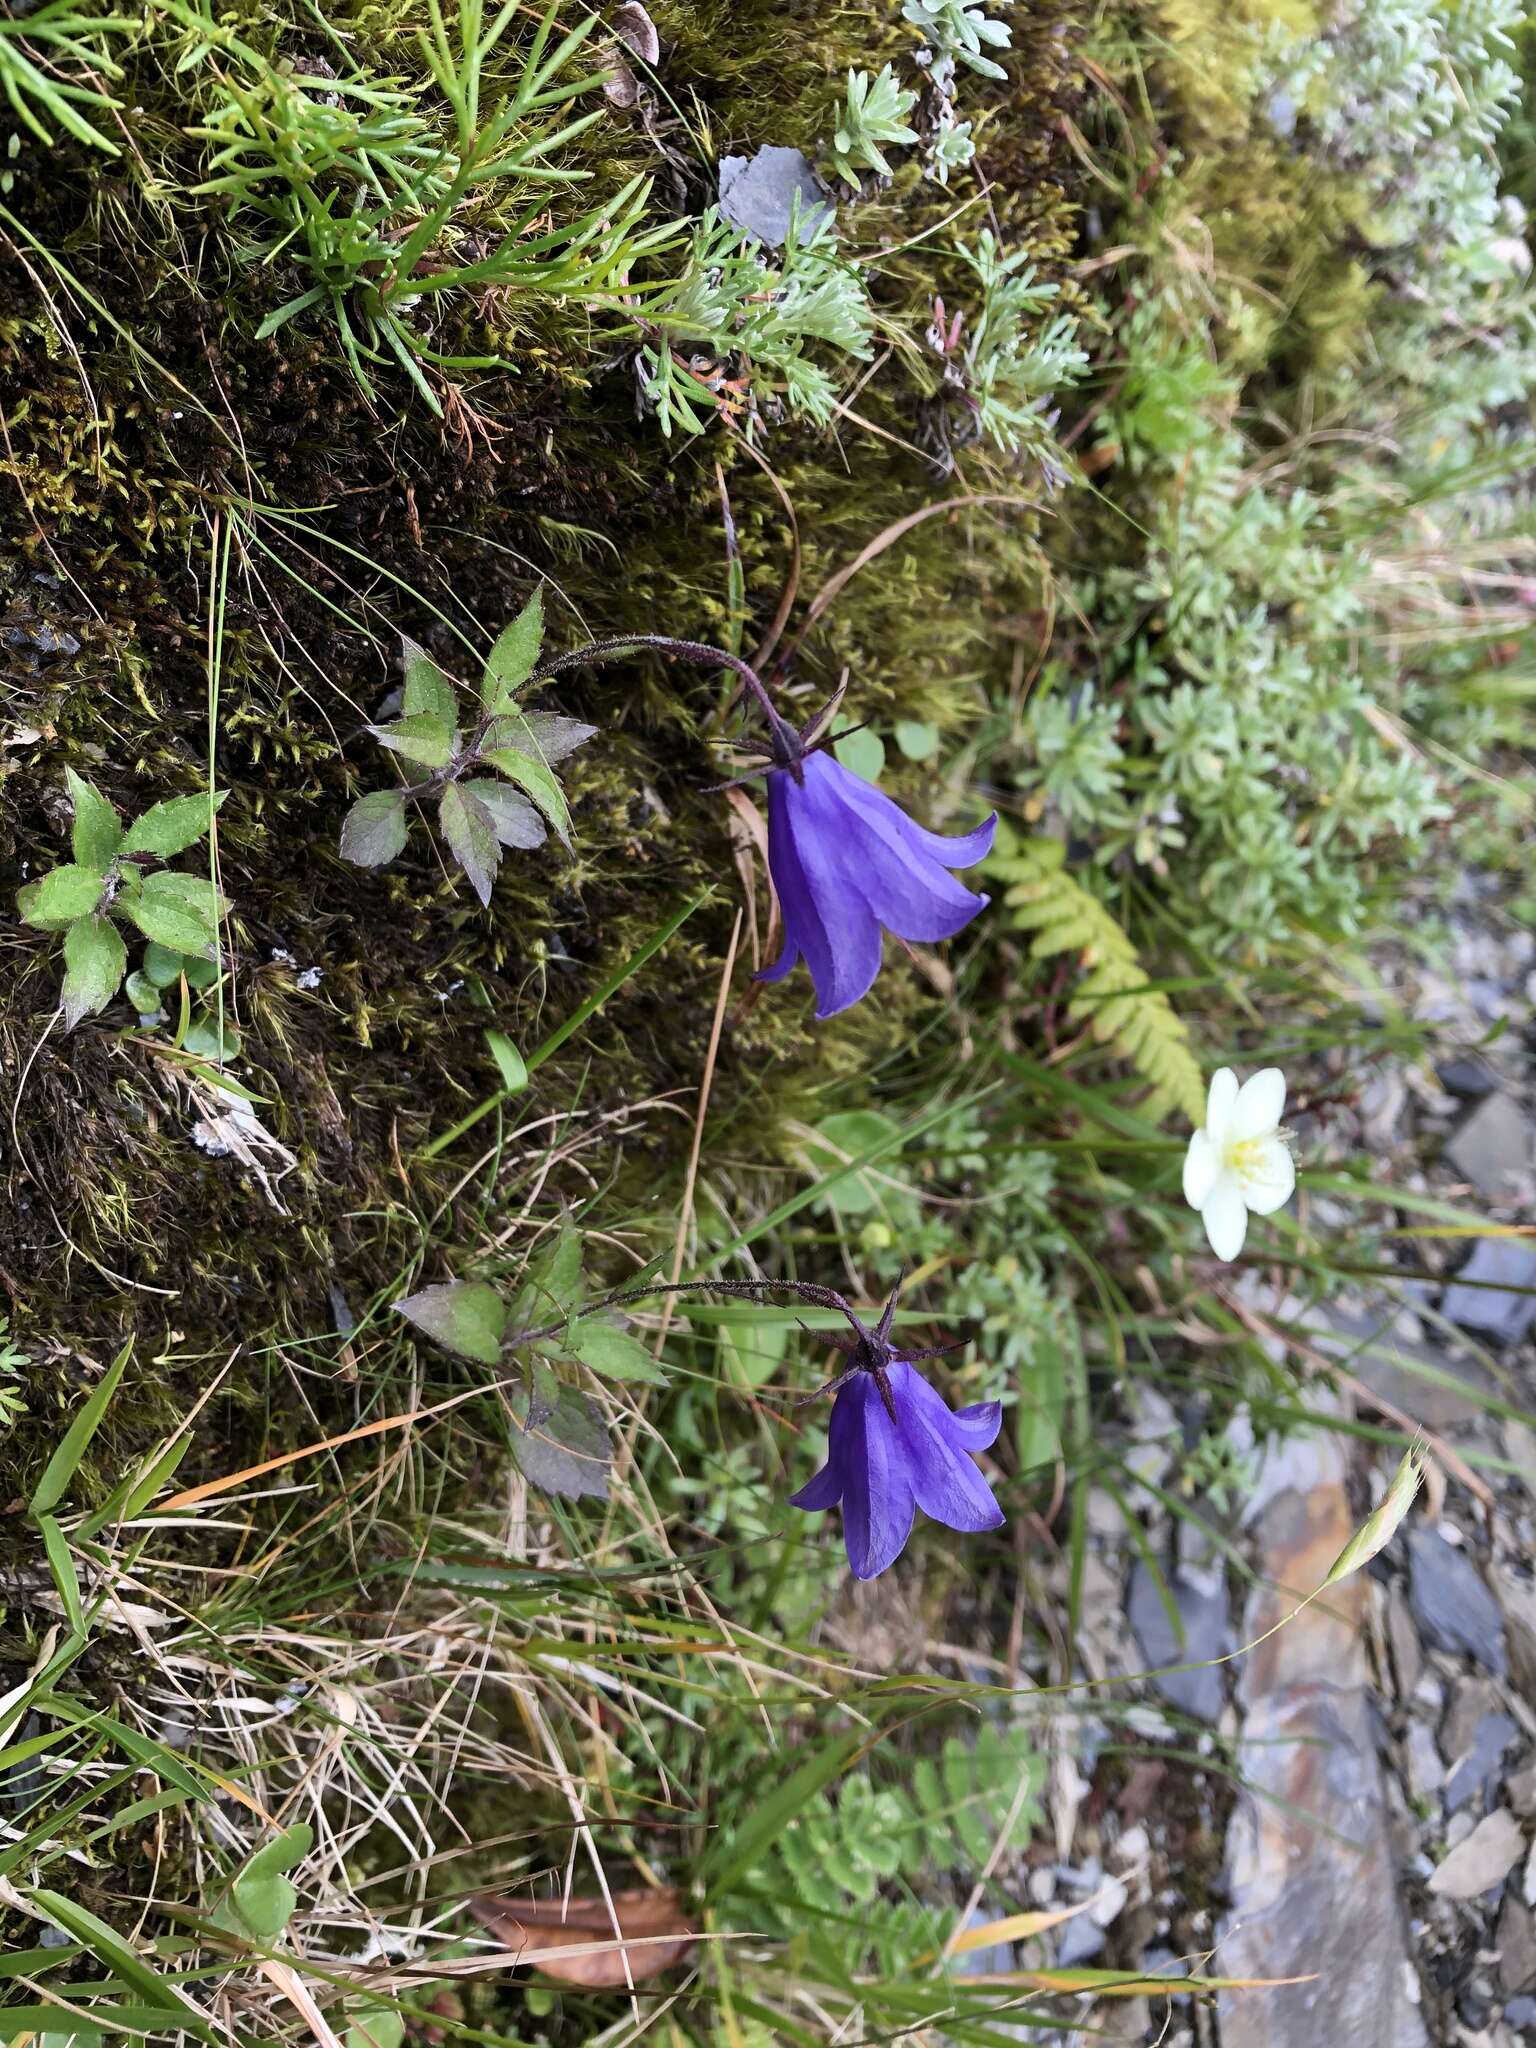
column 374, row 829
column 511, row 661
column 471, row 835
column 58, row 898
column 427, row 689
column 540, row 783
column 553, row 1285
column 170, row 828
column 97, row 830
column 424, row 738
column 176, row 911
column 466, row 1316
column 95, row 961
column 613, row 1353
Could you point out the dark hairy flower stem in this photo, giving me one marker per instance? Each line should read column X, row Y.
column 603, row 650
column 663, row 643
column 869, row 1349
column 751, row 1290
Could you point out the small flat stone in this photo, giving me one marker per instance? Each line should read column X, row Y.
column 1520, row 1791
column 758, row 193
column 1426, row 1773
column 1311, row 1876
column 1434, row 1385
column 1453, row 1608
column 992, row 1961
column 1491, row 1144
column 1482, row 1860
column 1205, row 1632
column 1466, row 1076
column 1516, row 1938
column 1407, row 1650
column 1520, row 2013
column 1495, row 1307
column 1517, row 1597
column 1474, row 1773
column 1080, row 1942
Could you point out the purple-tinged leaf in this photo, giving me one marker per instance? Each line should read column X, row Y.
column 374, row 831
column 513, row 818
column 567, row 1453
column 553, row 736
column 471, row 834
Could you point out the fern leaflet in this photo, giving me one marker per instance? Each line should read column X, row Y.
column 1113, row 997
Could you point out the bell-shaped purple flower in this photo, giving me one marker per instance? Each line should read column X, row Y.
column 847, row 861
column 895, row 1448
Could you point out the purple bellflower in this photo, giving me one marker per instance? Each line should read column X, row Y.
column 848, row 863
column 894, row 1447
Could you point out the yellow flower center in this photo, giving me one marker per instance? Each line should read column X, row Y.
column 1246, row 1156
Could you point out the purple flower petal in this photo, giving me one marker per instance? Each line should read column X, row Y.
column 847, row 861
column 975, row 1429
column 878, row 1504
column 883, row 1471
column 825, row 1490
column 962, row 851
column 825, row 921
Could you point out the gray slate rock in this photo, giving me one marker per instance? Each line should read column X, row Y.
column 1079, row 1943
column 1476, row 1772
column 1466, row 1076
column 1206, row 1633
column 758, row 193
column 1495, row 1309
column 1491, row 1144
column 1454, row 1609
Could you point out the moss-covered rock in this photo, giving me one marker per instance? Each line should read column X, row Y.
column 209, row 527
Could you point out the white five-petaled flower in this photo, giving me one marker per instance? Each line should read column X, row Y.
column 1240, row 1161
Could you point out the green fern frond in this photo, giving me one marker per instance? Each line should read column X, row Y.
column 899, row 1842
column 1113, row 996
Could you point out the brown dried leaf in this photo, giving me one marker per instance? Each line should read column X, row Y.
column 657, row 1934
column 635, row 32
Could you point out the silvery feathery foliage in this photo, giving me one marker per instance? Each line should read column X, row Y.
column 730, row 335
column 1410, row 97
column 1237, row 734
column 1233, row 736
